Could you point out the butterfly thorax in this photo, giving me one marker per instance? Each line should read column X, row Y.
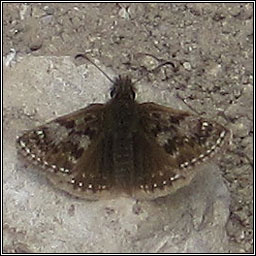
column 121, row 110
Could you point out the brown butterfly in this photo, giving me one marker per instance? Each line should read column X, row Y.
column 123, row 147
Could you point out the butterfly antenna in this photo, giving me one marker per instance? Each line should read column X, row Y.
column 95, row 65
column 156, row 68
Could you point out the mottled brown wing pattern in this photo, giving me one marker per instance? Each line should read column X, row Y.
column 67, row 148
column 123, row 147
column 171, row 144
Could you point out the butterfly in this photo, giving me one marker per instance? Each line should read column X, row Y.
column 122, row 147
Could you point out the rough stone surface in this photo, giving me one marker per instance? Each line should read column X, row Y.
column 210, row 43
column 192, row 220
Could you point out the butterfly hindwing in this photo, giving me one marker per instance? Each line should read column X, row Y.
column 90, row 179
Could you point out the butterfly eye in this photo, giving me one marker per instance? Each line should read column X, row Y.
column 113, row 92
column 133, row 95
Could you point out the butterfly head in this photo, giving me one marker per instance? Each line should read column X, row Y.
column 123, row 89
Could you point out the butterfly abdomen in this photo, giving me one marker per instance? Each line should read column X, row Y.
column 123, row 118
column 123, row 159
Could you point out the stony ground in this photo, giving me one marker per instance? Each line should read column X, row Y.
column 211, row 44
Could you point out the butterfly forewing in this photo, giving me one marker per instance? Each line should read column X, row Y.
column 68, row 149
column 171, row 147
